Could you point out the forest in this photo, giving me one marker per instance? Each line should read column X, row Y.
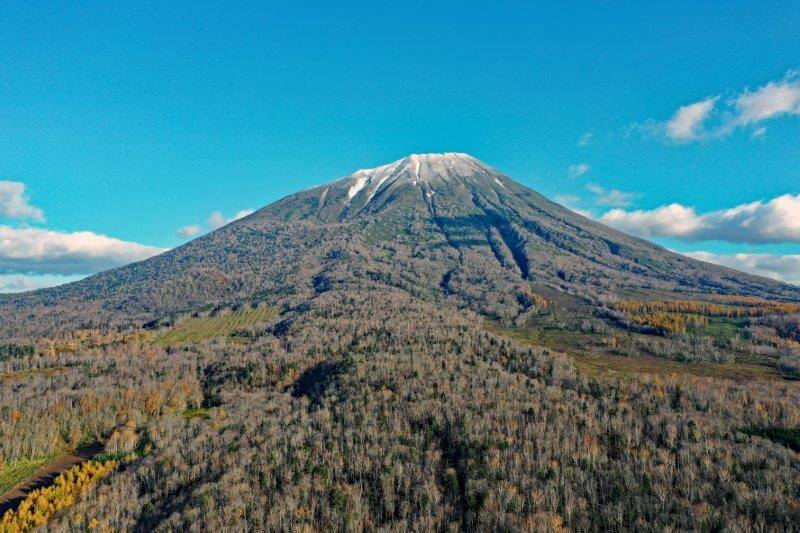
column 360, row 415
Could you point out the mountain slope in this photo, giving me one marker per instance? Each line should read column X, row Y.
column 373, row 393
column 436, row 225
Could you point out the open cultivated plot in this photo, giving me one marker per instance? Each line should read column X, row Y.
column 226, row 324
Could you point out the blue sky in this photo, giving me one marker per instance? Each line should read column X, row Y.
column 128, row 124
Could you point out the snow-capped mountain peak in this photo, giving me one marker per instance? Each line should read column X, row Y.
column 417, row 170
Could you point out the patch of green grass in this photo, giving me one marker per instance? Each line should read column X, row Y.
column 559, row 339
column 201, row 328
column 195, row 412
column 722, row 328
column 789, row 437
column 17, row 471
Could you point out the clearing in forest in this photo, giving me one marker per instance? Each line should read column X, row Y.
column 14, row 472
column 196, row 329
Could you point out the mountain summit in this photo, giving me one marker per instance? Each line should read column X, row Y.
column 418, row 170
column 422, row 176
column 439, row 226
column 425, row 171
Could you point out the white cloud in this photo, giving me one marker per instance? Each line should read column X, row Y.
column 585, row 139
column 578, row 170
column 781, row 267
column 612, row 197
column 189, row 231
column 773, row 99
column 23, row 282
column 33, row 250
column 687, row 124
column 14, row 202
column 777, row 220
column 216, row 220
column 759, row 132
column 672, row 220
column 747, row 109
column 33, row 258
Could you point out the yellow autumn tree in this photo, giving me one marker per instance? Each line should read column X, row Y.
column 42, row 504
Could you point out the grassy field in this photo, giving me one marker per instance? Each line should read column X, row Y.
column 195, row 412
column 13, row 473
column 593, row 355
column 722, row 328
column 201, row 328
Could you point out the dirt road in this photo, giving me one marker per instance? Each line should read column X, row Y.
column 45, row 475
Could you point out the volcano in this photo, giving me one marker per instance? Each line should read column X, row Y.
column 439, row 226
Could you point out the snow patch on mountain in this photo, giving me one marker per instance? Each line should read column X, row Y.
column 381, row 181
column 365, row 178
column 357, row 187
column 415, row 169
